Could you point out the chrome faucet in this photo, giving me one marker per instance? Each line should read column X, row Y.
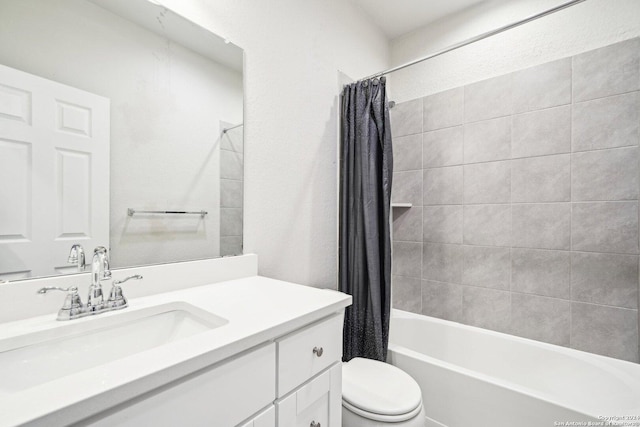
column 99, row 271
column 73, row 308
column 76, row 256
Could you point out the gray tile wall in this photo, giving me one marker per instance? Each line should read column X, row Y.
column 525, row 202
column 231, row 190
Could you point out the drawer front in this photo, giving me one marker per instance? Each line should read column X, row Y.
column 317, row 403
column 297, row 360
column 223, row 395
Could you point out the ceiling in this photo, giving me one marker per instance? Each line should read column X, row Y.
column 157, row 19
column 398, row 17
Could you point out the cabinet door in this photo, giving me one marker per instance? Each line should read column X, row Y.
column 266, row 418
column 316, row 404
column 222, row 395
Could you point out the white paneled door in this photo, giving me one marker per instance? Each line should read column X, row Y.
column 54, row 173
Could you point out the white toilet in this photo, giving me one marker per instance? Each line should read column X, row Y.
column 377, row 394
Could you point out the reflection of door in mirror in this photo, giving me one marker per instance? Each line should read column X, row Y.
column 54, row 173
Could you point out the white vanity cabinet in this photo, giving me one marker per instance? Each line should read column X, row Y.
column 310, row 376
column 269, row 356
column 295, row 381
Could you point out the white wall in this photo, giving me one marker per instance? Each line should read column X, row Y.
column 166, row 105
column 293, row 50
column 586, row 26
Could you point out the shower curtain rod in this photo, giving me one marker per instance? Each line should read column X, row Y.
column 477, row 38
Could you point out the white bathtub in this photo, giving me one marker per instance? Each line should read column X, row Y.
column 472, row 377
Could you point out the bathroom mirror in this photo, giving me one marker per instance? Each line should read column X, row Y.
column 121, row 125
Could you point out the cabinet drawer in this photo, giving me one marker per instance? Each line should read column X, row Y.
column 316, row 403
column 297, row 360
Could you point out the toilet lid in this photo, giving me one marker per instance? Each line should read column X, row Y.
column 379, row 388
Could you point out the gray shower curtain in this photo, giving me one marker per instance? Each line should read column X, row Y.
column 366, row 170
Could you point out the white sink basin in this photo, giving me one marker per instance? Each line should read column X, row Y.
column 32, row 359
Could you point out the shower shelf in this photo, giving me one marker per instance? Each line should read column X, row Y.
column 401, row 205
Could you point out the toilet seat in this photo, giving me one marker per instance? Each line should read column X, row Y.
column 379, row 391
column 381, row 417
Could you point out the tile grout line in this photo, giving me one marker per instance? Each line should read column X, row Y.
column 538, row 295
column 518, row 247
column 571, row 211
column 422, row 211
column 638, row 287
column 511, row 161
column 514, row 113
column 539, row 156
column 598, row 98
column 464, row 143
column 585, row 202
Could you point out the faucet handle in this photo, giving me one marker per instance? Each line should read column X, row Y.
column 72, row 307
column 134, row 277
column 71, row 290
column 117, row 300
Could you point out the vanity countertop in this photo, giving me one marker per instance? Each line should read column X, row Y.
column 258, row 310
